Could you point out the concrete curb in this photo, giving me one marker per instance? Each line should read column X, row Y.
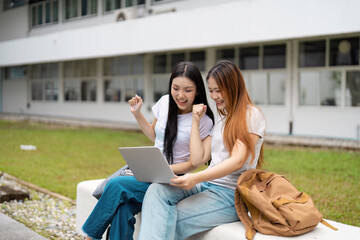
column 316, row 142
column 37, row 188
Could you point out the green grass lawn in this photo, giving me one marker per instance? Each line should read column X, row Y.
column 67, row 156
column 64, row 156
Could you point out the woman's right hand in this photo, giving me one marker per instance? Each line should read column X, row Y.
column 135, row 104
column 199, row 111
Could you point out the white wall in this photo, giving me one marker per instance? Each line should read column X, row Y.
column 109, row 17
column 277, row 119
column 327, row 121
column 118, row 112
column 13, row 23
column 228, row 23
column 14, row 93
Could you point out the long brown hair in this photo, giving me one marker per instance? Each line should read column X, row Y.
column 232, row 87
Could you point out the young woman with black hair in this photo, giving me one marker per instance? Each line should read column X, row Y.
column 170, row 131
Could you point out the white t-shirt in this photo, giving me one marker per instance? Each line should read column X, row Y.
column 181, row 149
column 256, row 125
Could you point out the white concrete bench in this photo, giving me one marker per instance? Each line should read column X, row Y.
column 85, row 202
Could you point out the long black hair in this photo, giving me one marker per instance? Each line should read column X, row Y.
column 192, row 72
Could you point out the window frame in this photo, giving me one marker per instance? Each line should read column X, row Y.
column 43, row 4
column 130, row 75
column 260, row 69
column 43, row 80
column 343, row 69
column 79, row 72
column 78, row 10
column 123, row 5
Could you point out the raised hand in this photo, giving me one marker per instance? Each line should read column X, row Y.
column 199, row 111
column 135, row 104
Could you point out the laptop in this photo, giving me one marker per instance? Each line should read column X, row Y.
column 148, row 164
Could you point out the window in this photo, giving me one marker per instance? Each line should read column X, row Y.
column 126, row 65
column 257, row 88
column 266, row 87
column 115, row 88
column 266, row 81
column 43, row 13
column 274, row 56
column 198, row 58
column 110, row 5
column 124, row 78
column 176, row 58
column 84, row 90
column 276, row 88
column 79, row 81
column 44, row 82
column 330, row 88
column 79, row 8
column 309, row 88
column 51, row 91
column 15, row 72
column 320, row 88
column 249, row 58
column 71, row 90
column 225, row 54
column 36, row 90
column 112, row 90
column 160, row 63
column 161, row 85
column 337, row 63
column 9, row 4
column 88, row 90
column 133, row 86
column 128, row 3
column 352, row 93
column 138, row 65
column 312, row 54
column 344, row 51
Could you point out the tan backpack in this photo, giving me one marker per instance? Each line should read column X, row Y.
column 275, row 205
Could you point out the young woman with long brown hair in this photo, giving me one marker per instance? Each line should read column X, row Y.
column 200, row 201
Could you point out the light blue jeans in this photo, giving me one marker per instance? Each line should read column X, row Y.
column 120, row 202
column 169, row 212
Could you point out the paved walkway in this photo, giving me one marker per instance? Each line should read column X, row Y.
column 13, row 230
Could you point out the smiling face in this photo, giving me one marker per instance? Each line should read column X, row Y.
column 183, row 91
column 215, row 94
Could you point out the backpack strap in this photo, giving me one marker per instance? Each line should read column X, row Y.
column 278, row 203
column 328, row 225
column 304, row 198
column 242, row 212
column 242, row 204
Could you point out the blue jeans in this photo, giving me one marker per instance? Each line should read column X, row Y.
column 169, row 212
column 120, row 202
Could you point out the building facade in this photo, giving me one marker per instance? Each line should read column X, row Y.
column 85, row 58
